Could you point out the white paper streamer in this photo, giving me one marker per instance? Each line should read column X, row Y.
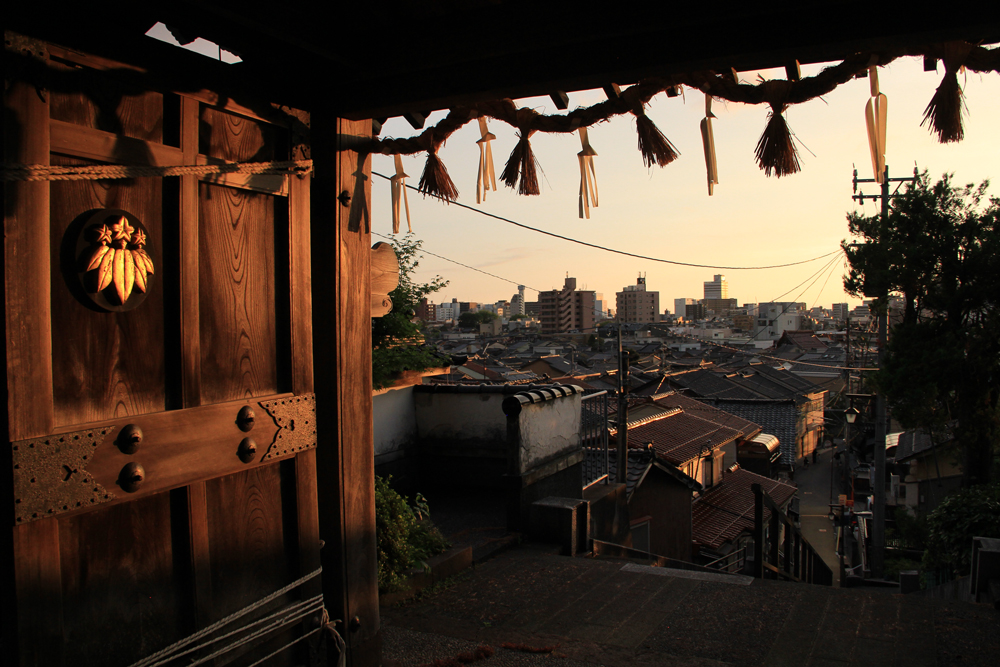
column 487, row 179
column 708, row 141
column 588, row 176
column 875, row 121
column 397, row 185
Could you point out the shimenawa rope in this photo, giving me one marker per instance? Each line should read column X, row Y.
column 290, row 614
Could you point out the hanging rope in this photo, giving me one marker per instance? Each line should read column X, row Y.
column 282, row 618
column 44, row 172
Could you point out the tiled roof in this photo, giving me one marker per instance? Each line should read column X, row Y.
column 914, row 443
column 692, row 406
column 678, row 437
column 638, row 463
column 777, row 417
column 725, row 511
column 710, row 384
column 805, row 340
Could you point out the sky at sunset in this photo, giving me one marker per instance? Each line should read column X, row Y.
column 751, row 220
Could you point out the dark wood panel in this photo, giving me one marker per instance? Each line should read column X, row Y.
column 300, row 288
column 200, row 552
column 190, row 319
column 27, row 267
column 104, row 365
column 237, row 294
column 249, row 545
column 102, row 106
column 121, row 600
column 307, row 517
column 39, row 593
column 234, row 138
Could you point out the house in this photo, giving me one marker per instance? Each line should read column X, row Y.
column 679, row 448
column 784, row 404
column 925, row 469
column 722, row 517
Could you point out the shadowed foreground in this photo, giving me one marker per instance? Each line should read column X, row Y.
column 613, row 613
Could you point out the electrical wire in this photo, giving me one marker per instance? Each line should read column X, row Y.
column 612, row 250
column 492, row 275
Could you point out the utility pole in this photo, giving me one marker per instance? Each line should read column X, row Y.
column 621, row 459
column 877, row 558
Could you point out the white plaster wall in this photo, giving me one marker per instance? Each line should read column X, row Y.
column 394, row 421
column 548, row 429
column 461, row 417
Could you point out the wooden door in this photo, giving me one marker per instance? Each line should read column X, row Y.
column 107, row 570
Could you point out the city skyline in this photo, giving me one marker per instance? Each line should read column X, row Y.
column 751, row 220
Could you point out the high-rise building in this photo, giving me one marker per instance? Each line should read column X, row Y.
column 635, row 304
column 680, row 306
column 600, row 308
column 568, row 309
column 840, row 311
column 426, row 310
column 517, row 302
column 717, row 288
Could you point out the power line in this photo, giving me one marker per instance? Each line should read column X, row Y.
column 612, row 250
column 492, row 275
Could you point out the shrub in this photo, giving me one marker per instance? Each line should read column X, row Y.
column 404, row 540
column 970, row 512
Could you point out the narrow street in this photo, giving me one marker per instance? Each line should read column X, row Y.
column 814, row 498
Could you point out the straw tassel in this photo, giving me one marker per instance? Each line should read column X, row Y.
column 944, row 111
column 708, row 141
column 521, row 170
column 654, row 146
column 435, row 180
column 487, row 178
column 588, row 176
column 775, row 150
column 397, row 185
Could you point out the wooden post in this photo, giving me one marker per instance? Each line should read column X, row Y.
column 345, row 464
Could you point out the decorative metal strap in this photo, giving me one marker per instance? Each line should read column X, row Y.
column 50, row 475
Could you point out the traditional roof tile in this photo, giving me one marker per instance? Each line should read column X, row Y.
column 725, row 511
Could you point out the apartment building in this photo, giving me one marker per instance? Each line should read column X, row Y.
column 635, row 304
column 568, row 309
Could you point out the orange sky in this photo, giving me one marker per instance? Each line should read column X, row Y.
column 751, row 219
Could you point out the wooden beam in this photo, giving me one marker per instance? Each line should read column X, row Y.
column 300, row 298
column 341, row 242
column 27, row 266
column 188, row 268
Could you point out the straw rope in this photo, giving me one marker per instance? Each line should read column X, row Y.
column 292, row 614
column 44, row 172
column 722, row 86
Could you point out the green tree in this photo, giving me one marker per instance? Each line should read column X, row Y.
column 474, row 319
column 939, row 248
column 968, row 513
column 393, row 333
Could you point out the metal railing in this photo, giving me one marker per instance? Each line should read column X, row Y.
column 594, row 435
column 731, row 562
column 786, row 554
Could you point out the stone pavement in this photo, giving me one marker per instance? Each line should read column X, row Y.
column 601, row 612
column 814, row 509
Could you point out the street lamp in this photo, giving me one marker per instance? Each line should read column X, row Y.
column 851, row 414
